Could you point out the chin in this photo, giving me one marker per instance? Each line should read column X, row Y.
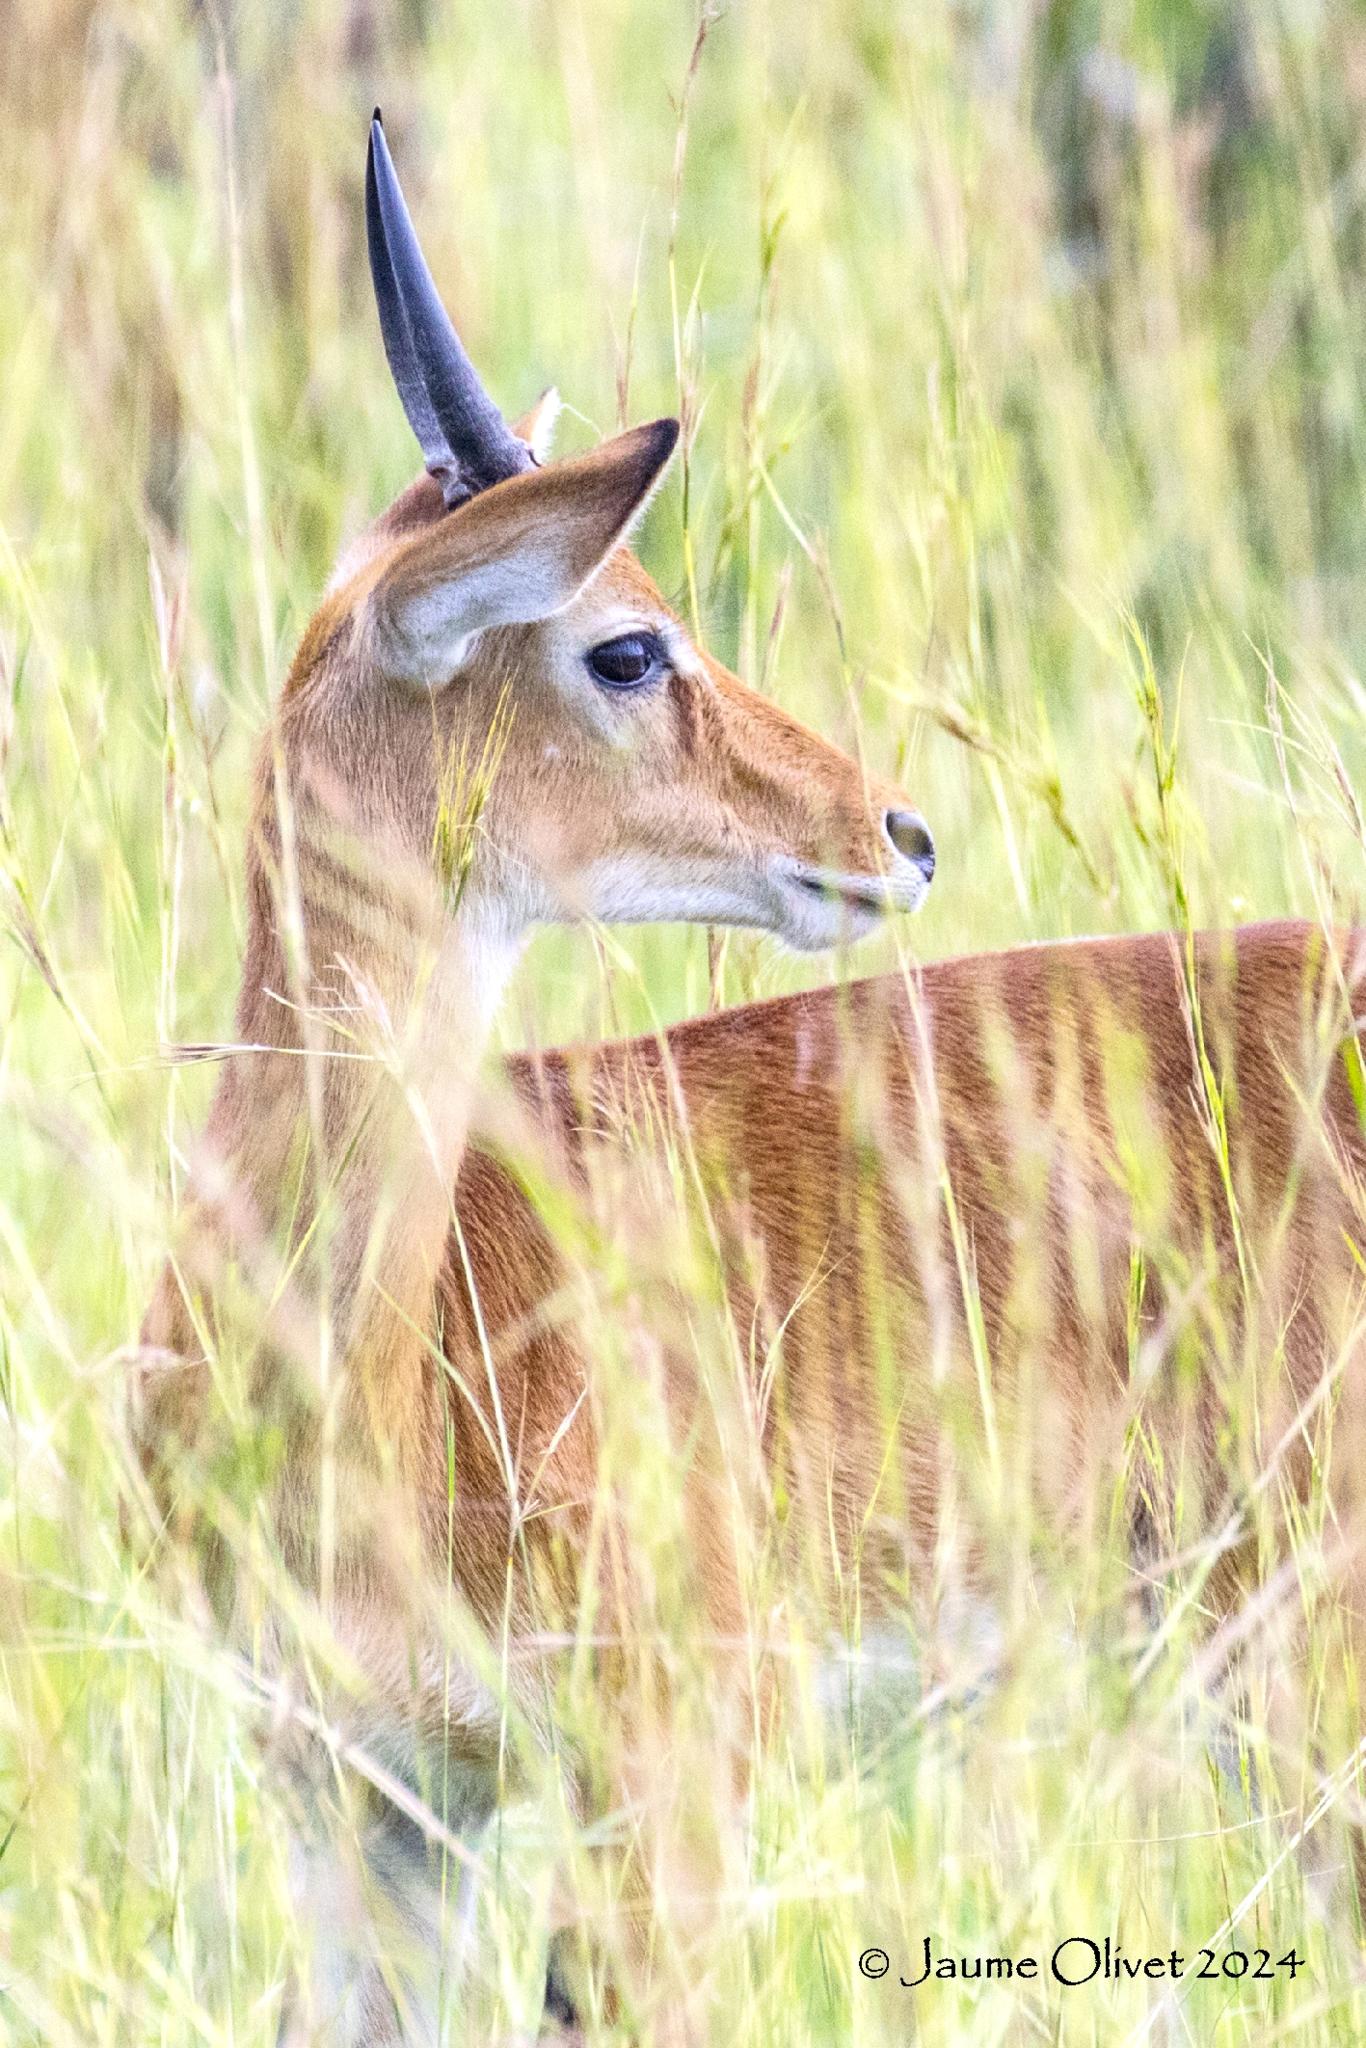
column 821, row 927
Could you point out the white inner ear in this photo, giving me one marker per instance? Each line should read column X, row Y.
column 432, row 635
column 544, row 418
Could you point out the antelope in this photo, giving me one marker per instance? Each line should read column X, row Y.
column 987, row 1228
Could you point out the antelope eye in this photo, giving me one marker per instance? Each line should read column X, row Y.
column 626, row 663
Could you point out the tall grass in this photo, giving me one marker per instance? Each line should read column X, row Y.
column 1022, row 358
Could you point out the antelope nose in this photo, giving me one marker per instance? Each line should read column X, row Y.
column 910, row 835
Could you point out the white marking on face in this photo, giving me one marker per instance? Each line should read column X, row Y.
column 575, row 634
column 612, row 717
column 682, row 654
column 646, row 888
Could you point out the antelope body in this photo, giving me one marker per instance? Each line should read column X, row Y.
column 1023, row 1137
column 963, row 1220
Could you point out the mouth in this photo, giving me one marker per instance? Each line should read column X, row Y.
column 825, row 905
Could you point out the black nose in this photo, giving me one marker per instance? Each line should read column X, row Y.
column 910, row 835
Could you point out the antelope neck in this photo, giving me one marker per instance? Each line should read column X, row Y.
column 369, row 1084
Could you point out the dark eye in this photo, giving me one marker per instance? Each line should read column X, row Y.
column 626, row 663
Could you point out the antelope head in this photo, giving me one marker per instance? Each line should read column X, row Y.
column 493, row 628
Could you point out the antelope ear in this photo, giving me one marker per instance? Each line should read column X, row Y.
column 537, row 427
column 513, row 554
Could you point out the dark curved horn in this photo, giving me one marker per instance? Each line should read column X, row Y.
column 398, row 335
column 465, row 440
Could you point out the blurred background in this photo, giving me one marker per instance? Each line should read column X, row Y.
column 1020, row 352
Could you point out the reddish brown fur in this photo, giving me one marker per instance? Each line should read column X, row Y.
column 354, row 767
column 826, row 1129
column 792, row 1104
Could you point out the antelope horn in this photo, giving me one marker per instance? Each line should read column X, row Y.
column 465, row 441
